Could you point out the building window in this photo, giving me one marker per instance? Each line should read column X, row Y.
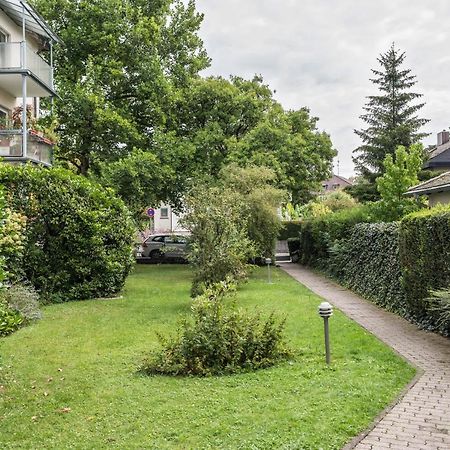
column 3, row 36
column 164, row 213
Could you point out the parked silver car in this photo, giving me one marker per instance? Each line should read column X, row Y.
column 162, row 246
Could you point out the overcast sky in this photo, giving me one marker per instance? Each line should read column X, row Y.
column 318, row 53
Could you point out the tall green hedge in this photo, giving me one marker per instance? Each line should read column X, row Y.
column 425, row 256
column 368, row 262
column 396, row 265
column 79, row 236
column 319, row 234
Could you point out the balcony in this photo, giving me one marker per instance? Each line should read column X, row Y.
column 16, row 58
column 39, row 149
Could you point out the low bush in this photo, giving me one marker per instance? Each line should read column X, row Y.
column 438, row 306
column 23, row 299
column 219, row 339
column 10, row 320
column 79, row 236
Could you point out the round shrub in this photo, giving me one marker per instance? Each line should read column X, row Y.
column 219, row 339
column 79, row 236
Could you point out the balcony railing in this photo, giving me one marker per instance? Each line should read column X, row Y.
column 39, row 149
column 18, row 56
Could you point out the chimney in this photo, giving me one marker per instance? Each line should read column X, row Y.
column 443, row 137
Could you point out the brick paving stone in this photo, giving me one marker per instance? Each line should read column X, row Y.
column 421, row 419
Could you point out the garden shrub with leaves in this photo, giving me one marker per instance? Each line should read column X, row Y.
column 23, row 299
column 10, row 320
column 79, row 236
column 219, row 244
column 438, row 307
column 219, row 339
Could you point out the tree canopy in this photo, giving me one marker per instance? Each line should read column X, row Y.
column 131, row 90
column 391, row 116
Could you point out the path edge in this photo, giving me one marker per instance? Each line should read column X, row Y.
column 419, row 371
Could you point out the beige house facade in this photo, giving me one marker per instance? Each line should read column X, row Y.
column 25, row 78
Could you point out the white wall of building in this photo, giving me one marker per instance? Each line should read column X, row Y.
column 14, row 33
column 167, row 221
column 439, row 197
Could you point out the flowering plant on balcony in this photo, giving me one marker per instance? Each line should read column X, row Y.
column 42, row 128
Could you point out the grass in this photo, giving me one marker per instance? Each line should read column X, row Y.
column 83, row 356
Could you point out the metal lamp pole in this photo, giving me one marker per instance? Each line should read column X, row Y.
column 268, row 262
column 326, row 311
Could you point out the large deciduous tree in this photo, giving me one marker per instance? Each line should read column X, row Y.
column 391, row 116
column 119, row 72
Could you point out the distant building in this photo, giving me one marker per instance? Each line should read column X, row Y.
column 437, row 189
column 439, row 155
column 335, row 183
column 167, row 221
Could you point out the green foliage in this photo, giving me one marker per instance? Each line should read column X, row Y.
column 290, row 144
column 12, row 237
column 2, row 221
column 438, row 306
column 368, row 262
column 117, row 90
column 364, row 189
column 232, row 219
column 79, row 236
column 396, row 265
column 398, row 177
column 23, row 299
column 219, row 243
column 219, row 340
column 319, row 235
column 139, row 180
column 260, row 200
column 425, row 257
column 289, row 229
column 337, row 200
column 10, row 320
column 391, row 115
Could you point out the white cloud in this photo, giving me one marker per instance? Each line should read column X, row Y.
column 318, row 53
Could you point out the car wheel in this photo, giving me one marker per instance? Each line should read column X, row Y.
column 156, row 255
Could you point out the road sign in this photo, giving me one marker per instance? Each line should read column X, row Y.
column 150, row 212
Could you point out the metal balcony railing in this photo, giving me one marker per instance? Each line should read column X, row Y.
column 39, row 149
column 18, row 56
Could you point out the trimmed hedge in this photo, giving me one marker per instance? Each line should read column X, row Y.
column 425, row 257
column 368, row 262
column 318, row 235
column 79, row 236
column 396, row 265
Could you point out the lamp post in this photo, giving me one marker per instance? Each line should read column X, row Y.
column 268, row 262
column 326, row 311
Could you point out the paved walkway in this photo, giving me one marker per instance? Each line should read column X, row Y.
column 421, row 419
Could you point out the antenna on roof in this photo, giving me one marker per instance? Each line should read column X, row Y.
column 338, row 166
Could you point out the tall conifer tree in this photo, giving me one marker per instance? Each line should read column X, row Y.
column 391, row 116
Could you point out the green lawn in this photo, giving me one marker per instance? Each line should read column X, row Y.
column 83, row 356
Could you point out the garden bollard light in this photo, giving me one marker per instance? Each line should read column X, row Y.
column 268, row 262
column 326, row 311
